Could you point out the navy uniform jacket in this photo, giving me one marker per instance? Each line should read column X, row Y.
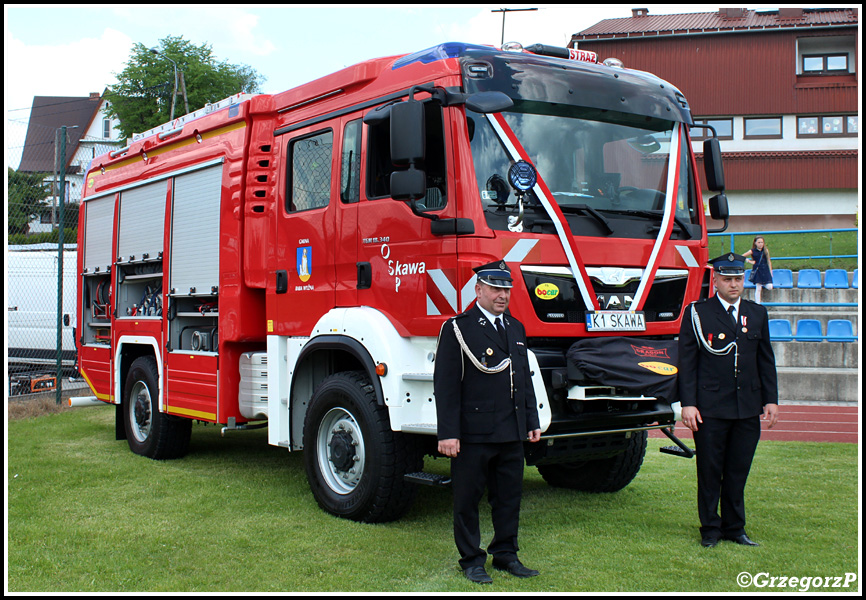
column 710, row 382
column 478, row 407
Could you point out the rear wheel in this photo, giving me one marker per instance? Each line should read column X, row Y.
column 354, row 462
column 149, row 432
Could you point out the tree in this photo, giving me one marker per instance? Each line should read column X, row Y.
column 141, row 99
column 26, row 192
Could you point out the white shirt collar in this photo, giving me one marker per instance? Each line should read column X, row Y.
column 725, row 305
column 490, row 316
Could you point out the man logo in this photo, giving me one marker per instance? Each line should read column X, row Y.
column 614, row 301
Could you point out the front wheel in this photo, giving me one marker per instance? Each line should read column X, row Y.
column 602, row 475
column 355, row 464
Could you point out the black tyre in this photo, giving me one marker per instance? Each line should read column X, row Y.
column 149, row 432
column 601, row 475
column 354, row 462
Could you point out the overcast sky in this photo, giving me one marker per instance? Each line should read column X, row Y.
column 72, row 50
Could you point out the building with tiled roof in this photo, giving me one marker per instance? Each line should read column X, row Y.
column 89, row 133
column 781, row 89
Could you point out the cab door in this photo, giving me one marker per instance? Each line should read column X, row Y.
column 302, row 287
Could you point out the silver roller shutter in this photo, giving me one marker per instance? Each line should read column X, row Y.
column 142, row 221
column 98, row 231
column 195, row 231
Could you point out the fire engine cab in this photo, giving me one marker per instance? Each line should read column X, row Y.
column 288, row 260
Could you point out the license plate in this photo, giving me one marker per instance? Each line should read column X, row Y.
column 615, row 320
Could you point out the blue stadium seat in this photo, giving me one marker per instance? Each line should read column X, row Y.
column 783, row 278
column 856, row 283
column 809, row 330
column 780, row 330
column 746, row 282
column 840, row 330
column 836, row 279
column 809, row 278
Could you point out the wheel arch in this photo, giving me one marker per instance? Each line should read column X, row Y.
column 320, row 358
column 127, row 352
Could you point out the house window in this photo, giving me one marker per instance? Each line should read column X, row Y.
column 763, row 128
column 826, row 55
column 825, row 64
column 724, row 129
column 106, row 128
column 828, row 126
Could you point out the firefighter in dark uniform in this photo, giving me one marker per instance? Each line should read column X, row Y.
column 727, row 383
column 486, row 408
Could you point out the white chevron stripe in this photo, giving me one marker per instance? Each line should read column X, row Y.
column 445, row 286
column 688, row 257
column 520, row 250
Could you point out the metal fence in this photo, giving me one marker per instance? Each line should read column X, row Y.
column 40, row 273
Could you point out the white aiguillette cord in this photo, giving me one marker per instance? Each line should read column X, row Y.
column 505, row 364
column 497, row 369
column 699, row 334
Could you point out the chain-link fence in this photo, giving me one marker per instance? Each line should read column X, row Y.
column 40, row 285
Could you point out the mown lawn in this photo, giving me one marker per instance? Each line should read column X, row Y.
column 85, row 514
column 784, row 246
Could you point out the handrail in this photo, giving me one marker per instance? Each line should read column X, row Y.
column 820, row 304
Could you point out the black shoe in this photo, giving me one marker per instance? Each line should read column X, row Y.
column 743, row 540
column 477, row 575
column 709, row 542
column 515, row 568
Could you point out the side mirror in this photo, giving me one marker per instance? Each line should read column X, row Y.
column 719, row 207
column 410, row 184
column 408, row 144
column 408, row 136
column 719, row 211
column 713, row 165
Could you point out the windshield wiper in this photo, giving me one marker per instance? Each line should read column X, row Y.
column 583, row 208
column 654, row 214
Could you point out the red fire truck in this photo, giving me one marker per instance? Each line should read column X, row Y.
column 288, row 260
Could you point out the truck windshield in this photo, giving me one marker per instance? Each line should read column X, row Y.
column 606, row 171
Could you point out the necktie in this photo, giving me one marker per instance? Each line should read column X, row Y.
column 733, row 316
column 500, row 327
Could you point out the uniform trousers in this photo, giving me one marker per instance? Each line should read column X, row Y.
column 725, row 448
column 499, row 467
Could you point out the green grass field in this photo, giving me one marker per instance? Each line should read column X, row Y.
column 86, row 515
column 798, row 244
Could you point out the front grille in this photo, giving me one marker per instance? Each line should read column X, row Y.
column 556, row 298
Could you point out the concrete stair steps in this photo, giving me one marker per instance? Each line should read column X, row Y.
column 820, row 355
column 809, row 384
column 815, row 372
